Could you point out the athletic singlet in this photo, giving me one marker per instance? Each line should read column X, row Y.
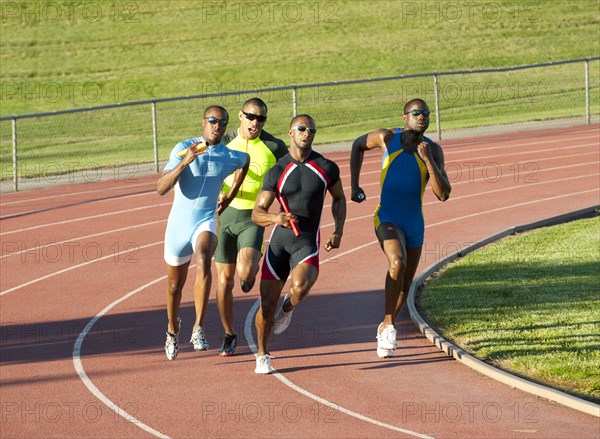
column 264, row 152
column 197, row 191
column 403, row 180
column 304, row 186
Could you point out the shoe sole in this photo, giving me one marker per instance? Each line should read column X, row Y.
column 385, row 353
column 225, row 354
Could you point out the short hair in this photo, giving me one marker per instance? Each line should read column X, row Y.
column 257, row 102
column 215, row 107
column 293, row 121
column 412, row 102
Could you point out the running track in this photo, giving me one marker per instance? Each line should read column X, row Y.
column 83, row 315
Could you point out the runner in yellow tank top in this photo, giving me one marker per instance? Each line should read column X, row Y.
column 240, row 240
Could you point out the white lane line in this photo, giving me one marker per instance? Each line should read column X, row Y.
column 87, row 203
column 93, row 261
column 474, row 164
column 102, row 215
column 83, row 376
column 302, row 391
column 54, row 244
column 71, row 194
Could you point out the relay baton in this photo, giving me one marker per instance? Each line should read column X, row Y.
column 286, row 209
column 199, row 146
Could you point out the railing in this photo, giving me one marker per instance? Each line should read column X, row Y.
column 123, row 139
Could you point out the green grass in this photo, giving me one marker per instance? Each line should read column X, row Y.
column 144, row 49
column 56, row 56
column 529, row 304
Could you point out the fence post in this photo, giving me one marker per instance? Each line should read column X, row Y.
column 437, row 106
column 294, row 102
column 14, row 151
column 155, row 135
column 587, row 91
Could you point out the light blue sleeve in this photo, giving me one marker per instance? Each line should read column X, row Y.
column 174, row 159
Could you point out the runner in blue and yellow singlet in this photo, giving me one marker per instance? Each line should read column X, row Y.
column 240, row 240
column 409, row 162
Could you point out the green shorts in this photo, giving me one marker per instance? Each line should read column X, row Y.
column 237, row 232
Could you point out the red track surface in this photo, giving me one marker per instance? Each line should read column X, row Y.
column 83, row 316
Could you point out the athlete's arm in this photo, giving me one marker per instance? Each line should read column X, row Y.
column 338, row 210
column 261, row 215
column 170, row 178
column 238, row 179
column 375, row 139
column 433, row 156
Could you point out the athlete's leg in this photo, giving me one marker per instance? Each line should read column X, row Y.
column 304, row 277
column 206, row 243
column 225, row 273
column 393, row 244
column 270, row 290
column 412, row 262
column 176, row 276
column 248, row 264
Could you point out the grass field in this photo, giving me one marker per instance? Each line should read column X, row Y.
column 58, row 55
column 64, row 55
column 529, row 304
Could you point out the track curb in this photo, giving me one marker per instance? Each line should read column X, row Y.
column 478, row 365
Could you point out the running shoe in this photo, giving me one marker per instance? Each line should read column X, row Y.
column 384, row 353
column 386, row 338
column 263, row 365
column 228, row 347
column 247, row 286
column 198, row 340
column 172, row 343
column 282, row 318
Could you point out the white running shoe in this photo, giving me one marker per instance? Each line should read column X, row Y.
column 386, row 339
column 263, row 365
column 198, row 340
column 172, row 343
column 384, row 353
column 282, row 318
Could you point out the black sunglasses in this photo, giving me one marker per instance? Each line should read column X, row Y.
column 258, row 117
column 425, row 113
column 214, row 120
column 302, row 128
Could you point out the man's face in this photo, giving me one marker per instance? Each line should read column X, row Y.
column 214, row 125
column 300, row 133
column 417, row 117
column 252, row 120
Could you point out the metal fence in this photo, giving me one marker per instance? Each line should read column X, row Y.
column 120, row 140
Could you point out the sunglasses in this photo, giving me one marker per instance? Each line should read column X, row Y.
column 425, row 113
column 258, row 117
column 214, row 120
column 302, row 128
